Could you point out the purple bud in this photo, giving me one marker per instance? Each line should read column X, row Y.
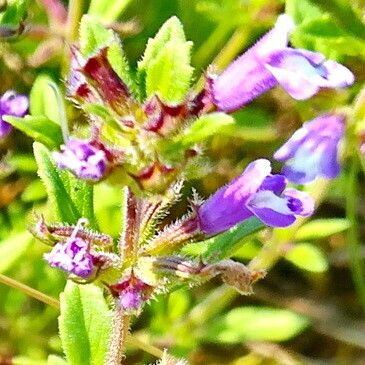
column 312, row 151
column 72, row 256
column 13, row 104
column 132, row 293
column 254, row 192
column 269, row 63
column 83, row 158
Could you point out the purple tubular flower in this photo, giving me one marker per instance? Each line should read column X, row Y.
column 312, row 150
column 72, row 256
column 13, row 104
column 254, row 193
column 84, row 159
column 269, row 63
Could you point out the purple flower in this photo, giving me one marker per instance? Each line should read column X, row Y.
column 72, row 256
column 254, row 193
column 269, row 63
column 132, row 293
column 312, row 150
column 13, row 104
column 84, row 159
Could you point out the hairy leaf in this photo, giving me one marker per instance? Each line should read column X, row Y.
column 204, row 127
column 39, row 128
column 84, row 324
column 165, row 68
column 225, row 244
column 65, row 209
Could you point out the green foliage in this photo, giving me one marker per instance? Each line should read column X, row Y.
column 106, row 10
column 308, row 257
column 43, row 101
column 13, row 248
column 70, row 198
column 321, row 228
column 324, row 27
column 165, row 69
column 84, row 324
column 226, row 243
column 205, row 127
column 94, row 37
column 14, row 13
column 39, row 128
column 255, row 324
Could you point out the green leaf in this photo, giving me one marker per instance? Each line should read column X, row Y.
column 171, row 30
column 43, row 101
column 106, row 10
column 225, row 244
column 56, row 360
column 204, row 127
column 84, row 324
column 308, row 257
column 82, row 193
column 13, row 248
column 14, row 13
column 302, row 11
column 255, row 324
column 93, row 36
column 41, row 129
column 324, row 35
column 64, row 208
column 321, row 228
column 165, row 68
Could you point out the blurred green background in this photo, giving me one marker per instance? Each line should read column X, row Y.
column 306, row 311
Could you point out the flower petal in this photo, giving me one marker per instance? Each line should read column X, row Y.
column 299, row 202
column 226, row 207
column 247, row 78
column 271, row 209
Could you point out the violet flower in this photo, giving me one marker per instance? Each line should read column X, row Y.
column 254, row 193
column 271, row 62
column 84, row 159
column 132, row 293
column 312, row 151
column 72, row 256
column 13, row 104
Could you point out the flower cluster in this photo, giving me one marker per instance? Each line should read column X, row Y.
column 140, row 136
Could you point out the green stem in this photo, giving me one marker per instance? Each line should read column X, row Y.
column 203, row 55
column 30, row 291
column 75, row 10
column 53, row 302
column 357, row 267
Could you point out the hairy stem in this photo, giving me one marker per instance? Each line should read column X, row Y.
column 121, row 326
column 75, row 10
column 53, row 302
